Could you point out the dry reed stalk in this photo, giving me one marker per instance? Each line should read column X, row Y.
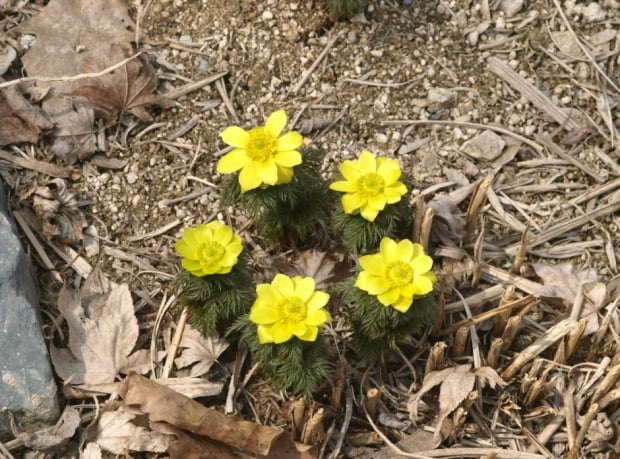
column 475, row 205
column 372, row 401
column 494, row 353
column 460, row 342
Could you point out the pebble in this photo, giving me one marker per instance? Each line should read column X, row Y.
column 352, row 37
column 131, row 178
column 381, row 138
column 267, row 15
column 486, row 146
column 6, row 59
column 511, row 7
column 593, row 12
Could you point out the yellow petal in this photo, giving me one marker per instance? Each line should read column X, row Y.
column 350, row 170
column 404, row 250
column 317, row 317
column 268, row 294
column 290, row 141
column 421, row 264
column 403, row 304
column 235, row 136
column 223, row 234
column 423, row 285
column 389, row 170
column 193, row 267
column 285, row 175
column 317, row 300
column 248, row 177
column 377, row 202
column 287, row 158
column 394, row 193
column 374, row 264
column 186, row 250
column 275, row 123
column 388, row 298
column 304, row 288
column 232, row 161
column 374, row 285
column 351, row 202
column 367, row 163
column 263, row 315
column 343, row 185
column 268, row 172
column 388, row 248
column 369, row 213
column 264, row 336
column 280, row 332
column 284, row 285
column 310, row 334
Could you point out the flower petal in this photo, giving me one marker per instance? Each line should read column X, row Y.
column 310, row 334
column 267, row 171
column 235, row 136
column 388, row 248
column 395, row 192
column 404, row 250
column 284, row 285
column 290, row 141
column 275, row 123
column 423, row 285
column 367, row 163
column 369, row 213
column 374, row 285
column 374, row 264
column 403, row 304
column 285, row 175
column 421, row 264
column 304, row 288
column 264, row 336
column 350, row 170
column 232, row 161
column 342, row 185
column 377, row 202
column 317, row 300
column 351, row 202
column 249, row 178
column 280, row 332
column 262, row 314
column 223, row 234
column 287, row 158
column 268, row 294
column 318, row 317
column 186, row 250
column 390, row 297
column 389, row 170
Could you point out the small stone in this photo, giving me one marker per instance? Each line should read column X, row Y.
column 131, row 178
column 582, row 71
column 593, row 12
column 7, row 56
column 180, row 212
column 511, row 7
column 381, row 138
column 267, row 15
column 486, row 146
column 352, row 37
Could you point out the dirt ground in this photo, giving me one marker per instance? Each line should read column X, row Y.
column 457, row 91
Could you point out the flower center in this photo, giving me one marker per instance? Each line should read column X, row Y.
column 370, row 184
column 399, row 273
column 292, row 309
column 210, row 253
column 261, row 146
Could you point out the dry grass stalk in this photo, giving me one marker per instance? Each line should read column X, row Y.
column 602, row 330
column 495, row 350
column 36, row 165
column 568, row 397
column 298, row 417
column 475, row 277
column 460, row 342
column 574, row 453
column 504, row 314
column 519, row 257
column 510, row 332
column 372, row 400
column 340, row 379
column 365, row 439
column 436, row 357
column 475, row 205
column 554, row 334
column 610, row 379
column 314, row 432
column 425, row 229
column 554, row 148
column 191, row 87
column 574, row 337
column 418, row 217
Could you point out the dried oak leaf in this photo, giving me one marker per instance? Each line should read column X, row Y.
column 58, row 210
column 116, row 433
column 52, row 439
column 199, row 351
column 128, row 88
column 103, row 330
column 20, row 121
column 323, row 267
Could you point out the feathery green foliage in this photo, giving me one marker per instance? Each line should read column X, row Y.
column 360, row 236
column 296, row 365
column 377, row 327
column 346, row 8
column 214, row 302
column 295, row 210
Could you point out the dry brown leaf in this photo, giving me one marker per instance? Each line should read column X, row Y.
column 52, row 439
column 164, row 405
column 128, row 88
column 199, row 349
column 188, row 446
column 562, row 281
column 102, row 333
column 20, row 121
column 116, row 433
column 58, row 210
column 323, row 267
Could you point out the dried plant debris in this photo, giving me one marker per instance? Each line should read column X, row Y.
column 199, row 352
column 20, row 121
column 57, row 208
column 128, row 88
column 69, row 31
column 119, row 431
column 52, row 439
column 103, row 330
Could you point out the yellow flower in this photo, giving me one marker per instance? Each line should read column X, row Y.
column 264, row 156
column 210, row 248
column 289, row 306
column 370, row 184
column 397, row 273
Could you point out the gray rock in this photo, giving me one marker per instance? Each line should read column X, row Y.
column 511, row 7
column 486, row 146
column 27, row 387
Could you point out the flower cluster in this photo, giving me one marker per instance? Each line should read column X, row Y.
column 210, row 248
column 263, row 155
column 370, row 184
column 397, row 273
